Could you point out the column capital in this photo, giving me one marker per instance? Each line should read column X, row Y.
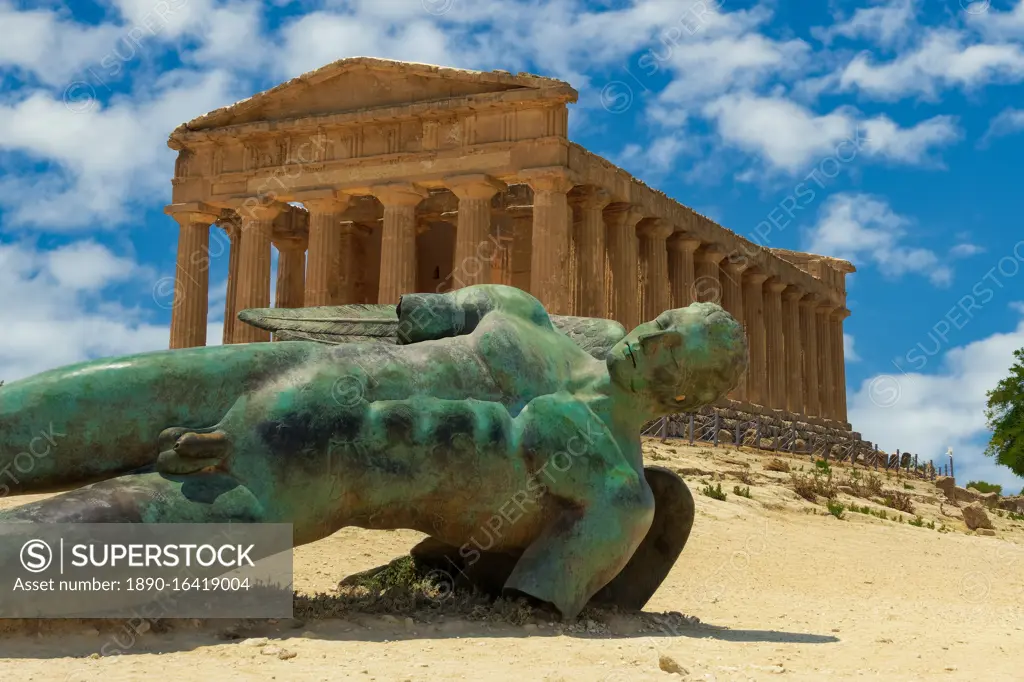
column 825, row 308
column 323, row 200
column 710, row 253
column 776, row 286
column 754, row 277
column 253, row 209
column 681, row 241
column 549, row 179
column 193, row 212
column 591, row 197
column 735, row 268
column 840, row 313
column 810, row 301
column 290, row 242
column 793, row 294
column 622, row 215
column 655, row 228
column 399, row 194
column 474, row 186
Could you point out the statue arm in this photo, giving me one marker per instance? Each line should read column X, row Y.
column 428, row 317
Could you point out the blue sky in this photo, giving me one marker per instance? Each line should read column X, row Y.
column 886, row 133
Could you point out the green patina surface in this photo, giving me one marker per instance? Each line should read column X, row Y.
column 479, row 423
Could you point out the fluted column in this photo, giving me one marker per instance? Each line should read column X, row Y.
column 775, row 343
column 623, row 254
column 191, row 278
column 549, row 258
column 398, row 240
column 473, row 228
column 809, row 346
column 681, row 275
column 231, row 227
column 655, row 295
column 794, row 356
column 291, row 272
column 254, row 265
column 707, row 286
column 826, row 363
column 839, row 361
column 731, row 279
column 349, row 235
column 324, row 267
column 589, row 238
column 753, row 313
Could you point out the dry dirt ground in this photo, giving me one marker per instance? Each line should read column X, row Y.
column 772, row 587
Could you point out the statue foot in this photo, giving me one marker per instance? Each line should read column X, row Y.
column 187, row 451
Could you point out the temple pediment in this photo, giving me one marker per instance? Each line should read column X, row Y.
column 362, row 83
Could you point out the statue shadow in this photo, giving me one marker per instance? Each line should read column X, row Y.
column 41, row 639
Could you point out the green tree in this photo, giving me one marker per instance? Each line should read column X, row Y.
column 1005, row 417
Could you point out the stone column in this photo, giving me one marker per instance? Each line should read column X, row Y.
column 753, row 314
column 254, row 266
column 775, row 343
column 349, row 235
column 291, row 272
column 655, row 294
column 839, row 361
column 233, row 230
column 794, row 355
column 398, row 240
column 324, row 270
column 623, row 253
column 191, row 277
column 549, row 257
column 732, row 300
column 473, row 229
column 707, row 286
column 826, row 363
column 590, row 252
column 809, row 346
column 681, row 275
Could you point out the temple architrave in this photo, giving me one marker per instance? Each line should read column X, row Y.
column 373, row 178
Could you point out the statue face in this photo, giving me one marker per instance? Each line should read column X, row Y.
column 683, row 359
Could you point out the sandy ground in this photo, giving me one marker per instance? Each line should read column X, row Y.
column 781, row 589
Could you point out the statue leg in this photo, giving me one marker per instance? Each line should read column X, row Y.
column 147, row 498
column 90, row 421
column 587, row 544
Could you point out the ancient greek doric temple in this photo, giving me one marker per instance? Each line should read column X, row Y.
column 373, row 178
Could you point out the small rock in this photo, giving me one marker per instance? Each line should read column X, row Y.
column 271, row 650
column 388, row 618
column 285, row 654
column 530, row 627
column 142, row 627
column 975, row 516
column 91, row 632
column 409, row 623
column 669, row 665
column 94, row 656
column 985, row 531
column 255, row 641
column 308, row 634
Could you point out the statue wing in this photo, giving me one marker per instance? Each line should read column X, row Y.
column 378, row 323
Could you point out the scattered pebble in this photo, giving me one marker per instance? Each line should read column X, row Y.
column 669, row 665
column 255, row 641
column 284, row 655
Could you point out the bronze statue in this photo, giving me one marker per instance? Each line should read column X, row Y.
column 441, row 415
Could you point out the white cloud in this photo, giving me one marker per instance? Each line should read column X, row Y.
column 965, row 250
column 57, row 309
column 996, row 25
column 1006, row 122
column 49, row 45
column 656, row 158
column 789, row 137
column 942, row 60
column 884, row 24
column 107, row 160
column 849, row 350
column 926, row 413
column 859, row 228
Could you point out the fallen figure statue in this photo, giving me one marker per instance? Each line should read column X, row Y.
column 439, row 415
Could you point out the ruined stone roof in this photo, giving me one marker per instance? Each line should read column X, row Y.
column 837, row 263
column 450, row 82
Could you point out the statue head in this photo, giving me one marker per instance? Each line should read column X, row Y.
column 684, row 359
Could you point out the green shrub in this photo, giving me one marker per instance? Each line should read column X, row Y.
column 983, row 487
column 714, row 493
column 742, row 492
column 918, row 521
column 823, row 466
column 836, row 509
column 898, row 500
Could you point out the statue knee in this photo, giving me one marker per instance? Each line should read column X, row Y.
column 634, row 501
